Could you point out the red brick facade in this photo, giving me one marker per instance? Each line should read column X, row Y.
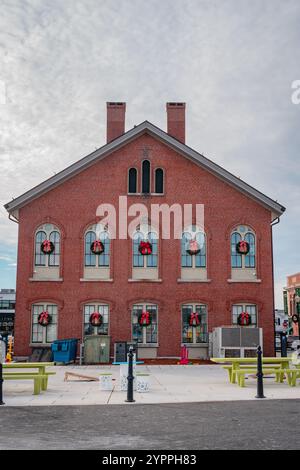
column 72, row 205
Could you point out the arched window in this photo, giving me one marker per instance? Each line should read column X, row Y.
column 132, row 180
column 146, row 177
column 159, row 181
column 91, row 259
column 51, row 233
column 145, row 261
column 188, row 259
column 247, row 260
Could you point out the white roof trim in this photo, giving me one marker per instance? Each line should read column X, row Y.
column 181, row 148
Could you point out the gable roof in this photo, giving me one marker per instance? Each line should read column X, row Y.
column 151, row 129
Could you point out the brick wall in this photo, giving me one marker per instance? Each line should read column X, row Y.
column 72, row 207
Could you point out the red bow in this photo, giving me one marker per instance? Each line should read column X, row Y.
column 95, row 319
column 194, row 316
column 243, row 247
column 97, row 246
column 145, row 248
column 244, row 318
column 44, row 318
column 193, row 247
column 47, row 246
column 145, row 318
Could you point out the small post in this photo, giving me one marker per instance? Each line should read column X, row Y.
column 130, row 377
column 259, row 375
column 283, row 340
column 1, row 385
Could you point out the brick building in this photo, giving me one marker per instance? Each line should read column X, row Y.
column 148, row 166
column 291, row 295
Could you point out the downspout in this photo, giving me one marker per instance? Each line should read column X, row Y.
column 273, row 223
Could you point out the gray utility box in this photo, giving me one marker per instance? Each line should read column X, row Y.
column 96, row 349
column 121, row 349
column 236, row 341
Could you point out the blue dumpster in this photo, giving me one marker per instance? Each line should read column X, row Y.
column 64, row 350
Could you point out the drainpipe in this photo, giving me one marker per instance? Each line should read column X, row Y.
column 275, row 222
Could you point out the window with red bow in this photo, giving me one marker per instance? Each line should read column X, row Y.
column 145, row 250
column 243, row 240
column 94, row 239
column 47, row 236
column 144, row 323
column 44, row 334
column 194, row 323
column 239, row 311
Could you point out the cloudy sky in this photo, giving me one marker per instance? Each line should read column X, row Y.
column 232, row 61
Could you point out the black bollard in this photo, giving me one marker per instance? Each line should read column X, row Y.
column 1, row 385
column 283, row 341
column 259, row 375
column 130, row 377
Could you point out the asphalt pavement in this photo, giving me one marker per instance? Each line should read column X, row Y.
column 261, row 424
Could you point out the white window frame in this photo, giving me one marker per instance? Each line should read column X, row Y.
column 194, row 305
column 42, row 307
column 143, row 306
column 243, row 230
column 96, row 307
column 244, row 307
column 48, row 229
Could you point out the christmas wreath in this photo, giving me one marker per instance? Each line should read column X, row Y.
column 96, row 319
column 243, row 247
column 97, row 247
column 145, row 319
column 193, row 247
column 194, row 319
column 44, row 319
column 244, row 319
column 47, row 247
column 295, row 318
column 145, row 248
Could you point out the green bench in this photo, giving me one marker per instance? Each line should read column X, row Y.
column 40, row 380
column 241, row 373
column 293, row 375
column 232, row 372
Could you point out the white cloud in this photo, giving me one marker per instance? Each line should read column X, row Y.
column 232, row 62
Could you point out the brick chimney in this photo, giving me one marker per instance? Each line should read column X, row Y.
column 115, row 120
column 176, row 120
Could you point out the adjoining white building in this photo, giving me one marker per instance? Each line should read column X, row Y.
column 7, row 311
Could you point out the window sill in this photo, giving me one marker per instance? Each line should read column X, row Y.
column 255, row 281
column 32, row 279
column 193, row 280
column 146, row 194
column 96, row 280
column 144, row 280
column 196, row 345
column 148, row 345
column 40, row 345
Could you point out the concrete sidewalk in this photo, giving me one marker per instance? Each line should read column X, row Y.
column 169, row 384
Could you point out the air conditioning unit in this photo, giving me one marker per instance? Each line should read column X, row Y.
column 236, row 341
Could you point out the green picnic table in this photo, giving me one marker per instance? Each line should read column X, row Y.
column 238, row 364
column 40, row 377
